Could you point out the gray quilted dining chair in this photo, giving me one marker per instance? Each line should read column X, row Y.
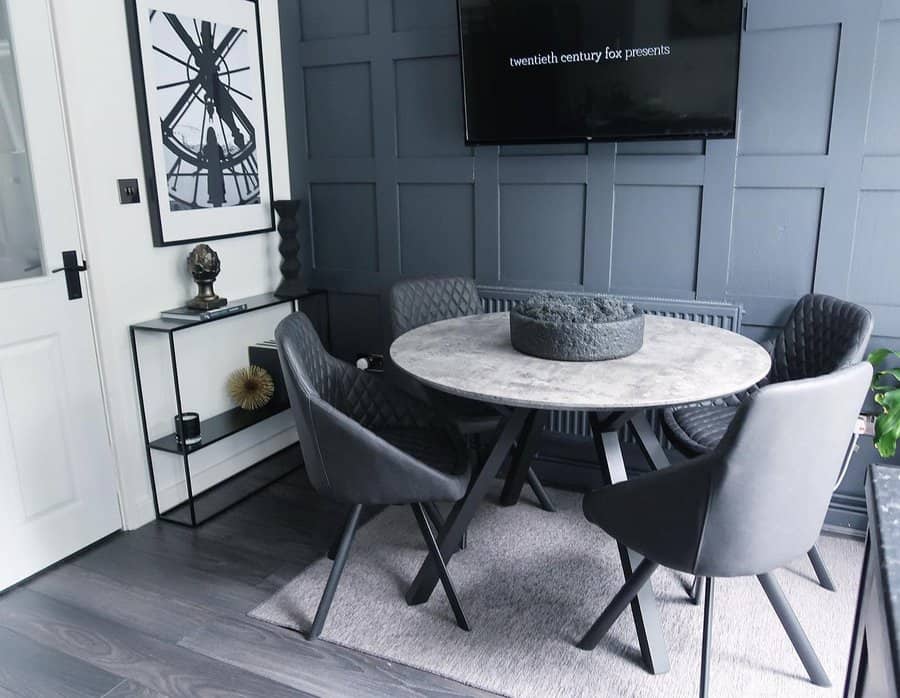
column 743, row 509
column 822, row 334
column 364, row 443
column 420, row 301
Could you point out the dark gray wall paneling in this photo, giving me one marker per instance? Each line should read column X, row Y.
column 643, row 215
column 446, row 241
column 807, row 197
column 883, row 134
column 343, row 225
column 775, row 122
column 872, row 279
column 429, row 108
column 338, row 104
column 330, row 20
column 353, row 316
column 774, row 241
column 411, row 15
column 541, row 233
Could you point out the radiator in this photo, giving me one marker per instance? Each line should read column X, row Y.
column 496, row 299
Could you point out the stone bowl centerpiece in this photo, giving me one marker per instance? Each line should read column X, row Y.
column 576, row 328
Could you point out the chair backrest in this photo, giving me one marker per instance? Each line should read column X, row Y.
column 771, row 477
column 417, row 302
column 822, row 335
column 341, row 415
column 316, row 384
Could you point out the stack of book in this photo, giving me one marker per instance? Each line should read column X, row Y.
column 186, row 314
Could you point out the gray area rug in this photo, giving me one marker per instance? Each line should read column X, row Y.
column 533, row 582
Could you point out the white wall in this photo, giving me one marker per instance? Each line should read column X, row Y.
column 130, row 280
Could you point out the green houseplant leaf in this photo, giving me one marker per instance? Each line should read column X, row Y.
column 887, row 432
column 886, row 386
column 895, row 372
column 879, row 355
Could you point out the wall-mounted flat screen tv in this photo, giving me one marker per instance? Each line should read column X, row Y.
column 607, row 70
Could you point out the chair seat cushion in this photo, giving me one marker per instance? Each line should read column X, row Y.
column 698, row 429
column 659, row 515
column 468, row 416
column 450, row 478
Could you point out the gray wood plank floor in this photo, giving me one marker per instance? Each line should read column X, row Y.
column 162, row 612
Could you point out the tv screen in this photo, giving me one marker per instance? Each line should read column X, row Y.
column 566, row 70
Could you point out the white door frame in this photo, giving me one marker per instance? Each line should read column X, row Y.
column 82, row 244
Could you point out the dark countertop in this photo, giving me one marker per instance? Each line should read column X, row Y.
column 884, row 529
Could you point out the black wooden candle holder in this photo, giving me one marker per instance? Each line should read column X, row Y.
column 292, row 285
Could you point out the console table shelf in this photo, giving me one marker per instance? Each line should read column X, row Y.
column 217, row 428
column 235, row 489
column 201, row 506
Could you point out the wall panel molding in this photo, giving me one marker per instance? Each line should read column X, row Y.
column 852, row 97
column 717, row 210
column 786, row 203
column 549, row 169
column 599, row 214
column 880, row 172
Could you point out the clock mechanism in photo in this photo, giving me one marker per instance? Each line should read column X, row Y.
column 204, row 87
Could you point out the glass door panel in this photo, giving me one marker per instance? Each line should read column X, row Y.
column 20, row 237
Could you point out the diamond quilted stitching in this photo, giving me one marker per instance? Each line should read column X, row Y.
column 417, row 302
column 362, row 396
column 822, row 335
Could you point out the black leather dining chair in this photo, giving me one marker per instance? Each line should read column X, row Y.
column 416, row 302
column 822, row 334
column 366, row 443
column 744, row 508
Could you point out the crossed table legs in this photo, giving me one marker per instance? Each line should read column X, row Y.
column 523, row 427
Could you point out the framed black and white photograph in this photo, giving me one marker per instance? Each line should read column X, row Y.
column 200, row 95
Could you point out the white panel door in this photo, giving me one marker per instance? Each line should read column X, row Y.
column 57, row 484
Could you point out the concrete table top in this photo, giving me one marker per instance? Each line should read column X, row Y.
column 681, row 361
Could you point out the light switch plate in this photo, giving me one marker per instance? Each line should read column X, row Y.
column 129, row 192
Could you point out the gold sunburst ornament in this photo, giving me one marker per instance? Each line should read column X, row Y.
column 251, row 387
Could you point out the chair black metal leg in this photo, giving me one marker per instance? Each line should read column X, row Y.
column 697, row 590
column 435, row 553
column 335, row 544
column 617, row 606
column 707, row 637
column 337, row 569
column 540, row 492
column 794, row 630
column 821, row 570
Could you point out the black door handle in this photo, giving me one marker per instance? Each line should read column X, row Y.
column 73, row 273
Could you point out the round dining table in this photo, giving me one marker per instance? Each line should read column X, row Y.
column 680, row 362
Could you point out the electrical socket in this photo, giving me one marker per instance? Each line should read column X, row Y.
column 370, row 362
column 865, row 425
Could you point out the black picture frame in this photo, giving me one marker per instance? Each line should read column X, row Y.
column 149, row 152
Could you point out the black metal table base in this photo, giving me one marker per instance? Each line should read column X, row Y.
column 643, row 608
column 520, row 428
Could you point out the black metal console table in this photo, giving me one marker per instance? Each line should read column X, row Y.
column 200, row 507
